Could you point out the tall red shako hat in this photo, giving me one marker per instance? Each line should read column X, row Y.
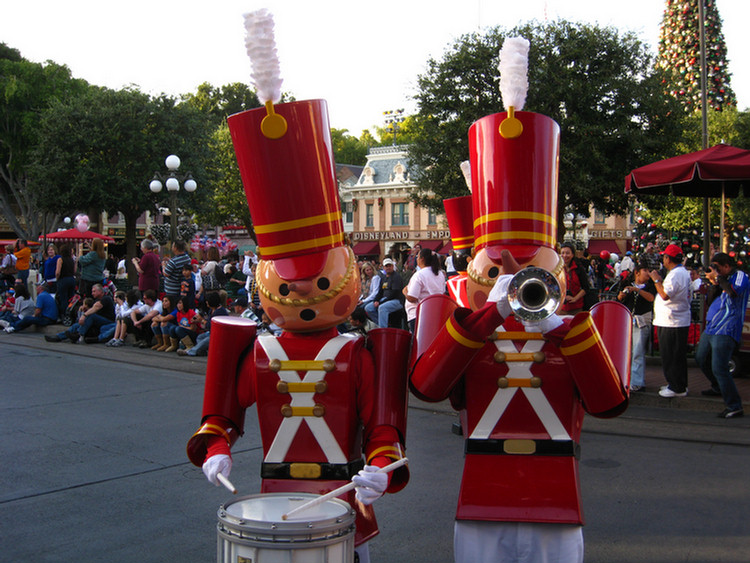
column 286, row 162
column 514, row 163
column 458, row 212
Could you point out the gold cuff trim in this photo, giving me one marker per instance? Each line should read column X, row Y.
column 460, row 338
column 580, row 328
column 386, row 451
column 592, row 340
column 214, row 430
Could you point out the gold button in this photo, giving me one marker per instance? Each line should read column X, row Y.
column 319, row 410
column 286, row 410
column 536, row 382
column 329, row 365
column 503, row 382
column 282, row 387
column 321, row 386
column 494, row 335
column 499, row 357
column 275, row 365
column 538, row 357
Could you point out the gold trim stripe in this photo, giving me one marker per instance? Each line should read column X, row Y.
column 460, row 338
column 301, row 245
column 216, row 429
column 580, row 329
column 517, row 335
column 592, row 340
column 515, row 236
column 300, row 365
column 387, row 451
column 298, row 223
column 501, row 215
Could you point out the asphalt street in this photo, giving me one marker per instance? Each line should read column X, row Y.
column 94, row 469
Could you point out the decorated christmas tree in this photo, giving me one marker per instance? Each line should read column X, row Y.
column 679, row 55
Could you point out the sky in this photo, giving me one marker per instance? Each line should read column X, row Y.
column 362, row 57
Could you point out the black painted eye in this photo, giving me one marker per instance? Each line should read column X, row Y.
column 284, row 289
column 493, row 272
column 323, row 283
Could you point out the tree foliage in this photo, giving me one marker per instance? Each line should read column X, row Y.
column 597, row 84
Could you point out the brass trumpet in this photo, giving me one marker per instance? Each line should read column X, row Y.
column 533, row 294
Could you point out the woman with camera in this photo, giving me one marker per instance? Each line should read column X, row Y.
column 638, row 296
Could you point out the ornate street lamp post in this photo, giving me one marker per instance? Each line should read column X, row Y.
column 172, row 181
column 392, row 120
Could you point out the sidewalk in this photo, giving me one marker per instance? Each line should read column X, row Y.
column 649, row 397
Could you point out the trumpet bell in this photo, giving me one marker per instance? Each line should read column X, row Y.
column 533, row 294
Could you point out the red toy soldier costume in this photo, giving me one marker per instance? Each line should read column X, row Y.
column 323, row 399
column 522, row 386
column 458, row 212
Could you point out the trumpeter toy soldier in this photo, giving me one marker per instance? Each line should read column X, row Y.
column 522, row 380
column 324, row 400
column 458, row 213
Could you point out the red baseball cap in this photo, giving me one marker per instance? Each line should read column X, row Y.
column 673, row 250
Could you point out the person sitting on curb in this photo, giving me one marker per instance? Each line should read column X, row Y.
column 74, row 332
column 160, row 324
column 23, row 306
column 102, row 312
column 140, row 319
column 215, row 309
column 44, row 314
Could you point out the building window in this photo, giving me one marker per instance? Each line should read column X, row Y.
column 599, row 217
column 348, row 212
column 399, row 214
column 431, row 217
column 369, row 217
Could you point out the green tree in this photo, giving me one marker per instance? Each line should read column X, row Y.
column 220, row 102
column 597, row 84
column 26, row 88
column 679, row 55
column 100, row 149
column 347, row 149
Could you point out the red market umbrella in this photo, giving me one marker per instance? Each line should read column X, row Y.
column 718, row 171
column 704, row 173
column 74, row 235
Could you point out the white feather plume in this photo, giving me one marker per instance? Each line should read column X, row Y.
column 261, row 48
column 514, row 67
column 466, row 170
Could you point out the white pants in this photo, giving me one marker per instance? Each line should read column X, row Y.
column 518, row 542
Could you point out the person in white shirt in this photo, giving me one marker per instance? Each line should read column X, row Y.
column 140, row 319
column 672, row 321
column 428, row 280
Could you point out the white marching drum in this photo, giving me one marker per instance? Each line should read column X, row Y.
column 251, row 530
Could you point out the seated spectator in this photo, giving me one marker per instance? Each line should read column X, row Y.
column 359, row 322
column 124, row 304
column 45, row 312
column 160, row 323
column 215, row 309
column 23, row 306
column 74, row 332
column 187, row 327
column 140, row 319
column 240, row 307
column 102, row 312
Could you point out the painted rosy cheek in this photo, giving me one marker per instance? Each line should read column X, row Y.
column 275, row 316
column 341, row 307
column 480, row 299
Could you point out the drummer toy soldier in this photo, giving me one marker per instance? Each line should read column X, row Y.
column 330, row 407
column 522, row 380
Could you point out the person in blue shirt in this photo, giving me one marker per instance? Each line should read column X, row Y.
column 44, row 314
column 723, row 333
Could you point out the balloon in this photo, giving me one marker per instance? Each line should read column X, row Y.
column 82, row 222
column 604, row 255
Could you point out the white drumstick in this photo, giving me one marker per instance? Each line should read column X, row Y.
column 341, row 490
column 226, row 482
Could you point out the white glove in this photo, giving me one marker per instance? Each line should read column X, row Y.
column 370, row 484
column 215, row 464
column 543, row 326
column 499, row 295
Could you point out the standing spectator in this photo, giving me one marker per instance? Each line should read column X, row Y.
column 211, row 272
column 672, row 321
column 23, row 261
column 101, row 313
column 627, row 264
column 639, row 298
column 724, row 320
column 389, row 296
column 173, row 269
column 45, row 312
column 695, row 282
column 49, row 268
column 65, row 272
column 8, row 269
column 577, row 280
column 411, row 260
column 187, row 286
column 92, row 269
column 428, row 280
column 148, row 267
column 650, row 257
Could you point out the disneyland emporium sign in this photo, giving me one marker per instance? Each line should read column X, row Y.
column 358, row 236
